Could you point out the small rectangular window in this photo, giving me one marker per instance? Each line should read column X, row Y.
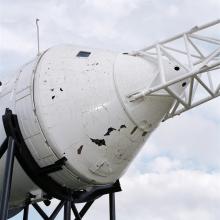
column 83, row 54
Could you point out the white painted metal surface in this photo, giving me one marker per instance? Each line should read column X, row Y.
column 96, row 108
column 21, row 183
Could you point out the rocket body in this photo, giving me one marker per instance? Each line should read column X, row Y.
column 72, row 102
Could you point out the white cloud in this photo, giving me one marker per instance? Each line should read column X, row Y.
column 17, row 42
column 190, row 137
column 121, row 7
column 173, row 10
column 163, row 165
column 173, row 195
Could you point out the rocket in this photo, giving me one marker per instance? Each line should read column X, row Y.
column 93, row 110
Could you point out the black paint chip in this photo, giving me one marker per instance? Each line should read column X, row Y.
column 183, row 84
column 122, row 126
column 53, row 96
column 144, row 133
column 79, row 151
column 177, row 68
column 98, row 142
column 109, row 131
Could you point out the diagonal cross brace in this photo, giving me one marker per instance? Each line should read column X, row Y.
column 198, row 65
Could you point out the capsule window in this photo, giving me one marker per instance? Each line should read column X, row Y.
column 83, row 54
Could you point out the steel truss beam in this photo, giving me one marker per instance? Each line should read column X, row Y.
column 202, row 56
column 70, row 207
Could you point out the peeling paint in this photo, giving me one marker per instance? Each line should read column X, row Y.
column 53, row 96
column 122, row 126
column 144, row 133
column 61, row 89
column 79, row 150
column 109, row 131
column 98, row 142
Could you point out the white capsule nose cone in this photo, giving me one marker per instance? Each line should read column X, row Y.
column 82, row 109
column 136, row 74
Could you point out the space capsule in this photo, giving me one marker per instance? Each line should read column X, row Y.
column 72, row 102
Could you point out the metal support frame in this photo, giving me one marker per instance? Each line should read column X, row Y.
column 112, row 206
column 197, row 55
column 7, row 179
column 70, row 207
column 67, row 210
column 14, row 146
column 26, row 212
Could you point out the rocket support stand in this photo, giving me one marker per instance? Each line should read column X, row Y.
column 9, row 163
column 14, row 146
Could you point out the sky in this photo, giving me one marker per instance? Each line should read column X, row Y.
column 176, row 176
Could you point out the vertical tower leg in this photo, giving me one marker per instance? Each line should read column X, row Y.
column 67, row 210
column 9, row 163
column 112, row 206
column 26, row 212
